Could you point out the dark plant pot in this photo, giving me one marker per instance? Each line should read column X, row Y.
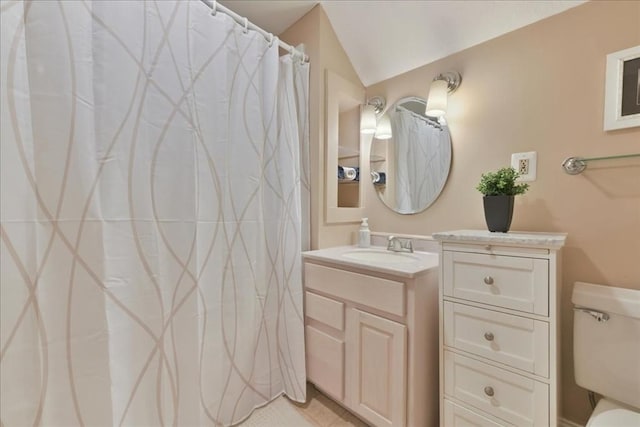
column 498, row 211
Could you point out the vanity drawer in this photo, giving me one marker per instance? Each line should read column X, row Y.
column 513, row 340
column 325, row 361
column 457, row 416
column 325, row 310
column 518, row 283
column 515, row 399
column 374, row 292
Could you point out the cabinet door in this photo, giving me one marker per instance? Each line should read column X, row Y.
column 325, row 362
column 376, row 368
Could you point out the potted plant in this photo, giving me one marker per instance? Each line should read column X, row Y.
column 499, row 189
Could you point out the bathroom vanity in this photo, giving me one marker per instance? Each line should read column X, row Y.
column 499, row 328
column 371, row 319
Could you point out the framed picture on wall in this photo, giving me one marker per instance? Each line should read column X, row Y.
column 622, row 89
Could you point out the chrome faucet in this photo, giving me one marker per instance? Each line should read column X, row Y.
column 397, row 244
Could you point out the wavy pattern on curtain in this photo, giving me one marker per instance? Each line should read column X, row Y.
column 424, row 164
column 154, row 204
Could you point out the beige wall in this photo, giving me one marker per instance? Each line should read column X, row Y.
column 326, row 52
column 540, row 89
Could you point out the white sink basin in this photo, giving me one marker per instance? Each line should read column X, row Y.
column 376, row 259
column 380, row 256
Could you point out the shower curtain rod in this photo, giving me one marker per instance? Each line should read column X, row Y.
column 216, row 6
column 430, row 122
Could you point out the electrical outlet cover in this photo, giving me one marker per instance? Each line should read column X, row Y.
column 532, row 158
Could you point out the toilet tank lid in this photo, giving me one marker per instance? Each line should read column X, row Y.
column 610, row 299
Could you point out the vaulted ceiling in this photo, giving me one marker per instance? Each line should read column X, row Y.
column 386, row 38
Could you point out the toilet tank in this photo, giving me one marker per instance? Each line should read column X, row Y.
column 606, row 351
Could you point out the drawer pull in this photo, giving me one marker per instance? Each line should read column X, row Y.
column 487, row 247
column 488, row 391
column 488, row 336
column 488, row 280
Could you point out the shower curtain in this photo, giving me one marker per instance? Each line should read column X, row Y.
column 423, row 151
column 154, row 204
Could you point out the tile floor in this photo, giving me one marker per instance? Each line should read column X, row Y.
column 318, row 411
column 277, row 413
column 321, row 411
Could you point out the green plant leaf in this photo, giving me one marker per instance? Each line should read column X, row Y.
column 501, row 182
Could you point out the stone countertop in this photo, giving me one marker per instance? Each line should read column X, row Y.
column 421, row 262
column 519, row 238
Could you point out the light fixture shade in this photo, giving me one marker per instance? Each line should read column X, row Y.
column 383, row 130
column 368, row 119
column 437, row 101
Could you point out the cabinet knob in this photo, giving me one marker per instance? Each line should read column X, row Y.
column 488, row 280
column 487, row 247
column 488, row 336
column 488, row 391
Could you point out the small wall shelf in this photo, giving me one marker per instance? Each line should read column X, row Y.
column 347, row 153
column 343, row 146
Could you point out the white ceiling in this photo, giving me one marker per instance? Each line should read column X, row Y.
column 386, row 38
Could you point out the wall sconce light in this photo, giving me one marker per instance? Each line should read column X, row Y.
column 372, row 121
column 368, row 120
column 383, row 130
column 442, row 85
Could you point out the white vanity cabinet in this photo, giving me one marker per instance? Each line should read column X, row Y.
column 371, row 340
column 499, row 328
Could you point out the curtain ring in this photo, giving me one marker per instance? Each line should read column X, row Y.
column 214, row 8
column 270, row 39
column 246, row 25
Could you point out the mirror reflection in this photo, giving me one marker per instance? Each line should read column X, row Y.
column 410, row 169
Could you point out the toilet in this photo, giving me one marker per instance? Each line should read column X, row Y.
column 606, row 351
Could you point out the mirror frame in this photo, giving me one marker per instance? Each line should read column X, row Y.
column 450, row 157
column 340, row 91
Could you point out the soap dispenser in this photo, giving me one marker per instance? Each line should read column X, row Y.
column 364, row 235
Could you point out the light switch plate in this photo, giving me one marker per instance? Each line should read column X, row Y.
column 525, row 164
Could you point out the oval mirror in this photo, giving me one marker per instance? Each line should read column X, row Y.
column 410, row 169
